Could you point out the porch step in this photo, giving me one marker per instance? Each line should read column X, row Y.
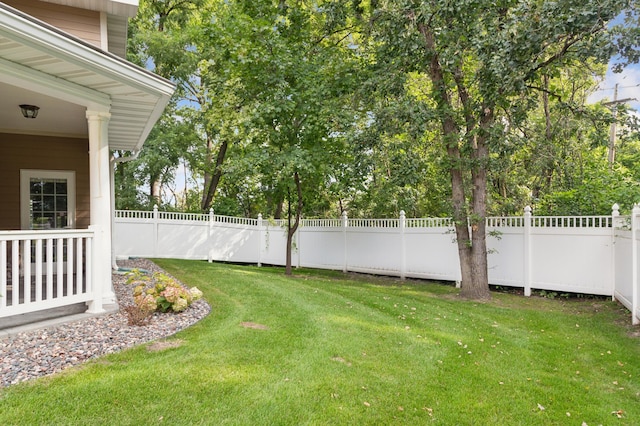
column 51, row 318
column 38, row 316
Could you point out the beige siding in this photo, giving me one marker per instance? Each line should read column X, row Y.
column 84, row 24
column 45, row 153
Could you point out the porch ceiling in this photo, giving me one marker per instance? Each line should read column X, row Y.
column 65, row 76
column 116, row 7
column 55, row 118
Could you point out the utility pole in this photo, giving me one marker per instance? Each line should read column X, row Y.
column 613, row 130
column 614, row 124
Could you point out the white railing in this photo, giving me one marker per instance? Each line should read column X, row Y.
column 430, row 222
column 235, row 220
column 321, row 223
column 572, row 221
column 182, row 216
column 582, row 254
column 155, row 214
column 133, row 214
column 373, row 223
column 45, row 269
column 510, row 222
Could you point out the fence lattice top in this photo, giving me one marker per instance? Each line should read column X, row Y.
column 507, row 221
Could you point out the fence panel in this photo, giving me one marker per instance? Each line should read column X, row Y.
column 572, row 260
column 234, row 243
column 506, row 255
column 134, row 237
column 322, row 247
column 374, row 250
column 624, row 268
column 431, row 253
column 182, row 239
column 634, row 306
column 274, row 242
column 564, row 254
column 635, row 294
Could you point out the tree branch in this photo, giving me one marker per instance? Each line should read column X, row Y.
column 463, row 95
column 569, row 41
column 325, row 36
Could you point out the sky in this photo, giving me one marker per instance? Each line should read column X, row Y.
column 628, row 81
column 628, row 86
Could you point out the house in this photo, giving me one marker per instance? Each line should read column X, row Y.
column 68, row 98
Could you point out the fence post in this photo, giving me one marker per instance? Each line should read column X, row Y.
column 403, row 247
column 615, row 213
column 634, row 262
column 210, row 235
column 155, row 230
column 298, row 243
column 260, row 236
column 527, row 251
column 345, row 223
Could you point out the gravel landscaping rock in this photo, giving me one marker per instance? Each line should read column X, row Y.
column 37, row 353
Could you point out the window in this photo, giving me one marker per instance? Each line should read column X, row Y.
column 47, row 199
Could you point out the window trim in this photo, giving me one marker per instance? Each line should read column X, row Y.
column 25, row 180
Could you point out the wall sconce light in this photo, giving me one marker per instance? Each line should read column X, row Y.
column 29, row 111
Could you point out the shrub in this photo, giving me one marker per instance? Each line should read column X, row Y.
column 160, row 292
column 136, row 316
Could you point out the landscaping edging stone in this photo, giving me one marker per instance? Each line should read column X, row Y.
column 46, row 351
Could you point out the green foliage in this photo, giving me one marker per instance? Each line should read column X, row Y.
column 479, row 71
column 342, row 94
column 174, row 38
column 555, row 294
column 395, row 165
column 595, row 194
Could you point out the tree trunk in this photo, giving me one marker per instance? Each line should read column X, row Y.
column 463, row 239
column 156, row 186
column 291, row 230
column 186, row 188
column 211, row 180
column 478, row 286
column 279, row 206
column 470, row 237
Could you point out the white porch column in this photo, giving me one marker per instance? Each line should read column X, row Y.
column 100, row 190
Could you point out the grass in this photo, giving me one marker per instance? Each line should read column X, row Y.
column 342, row 350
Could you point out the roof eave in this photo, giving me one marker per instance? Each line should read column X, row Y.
column 29, row 31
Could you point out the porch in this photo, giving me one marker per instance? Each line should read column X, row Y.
column 67, row 104
column 45, row 274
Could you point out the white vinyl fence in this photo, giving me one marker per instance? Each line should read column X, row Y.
column 585, row 254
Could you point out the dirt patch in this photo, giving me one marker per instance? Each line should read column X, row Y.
column 101, row 361
column 341, row 360
column 164, row 345
column 254, row 326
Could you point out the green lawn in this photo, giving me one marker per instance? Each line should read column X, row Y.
column 355, row 351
